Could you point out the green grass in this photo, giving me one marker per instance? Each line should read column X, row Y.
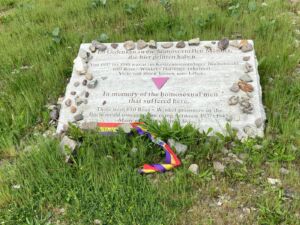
column 111, row 190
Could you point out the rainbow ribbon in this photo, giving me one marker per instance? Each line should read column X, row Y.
column 171, row 160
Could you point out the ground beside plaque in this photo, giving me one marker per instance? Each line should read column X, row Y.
column 207, row 84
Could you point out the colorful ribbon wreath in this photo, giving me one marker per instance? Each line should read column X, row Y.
column 171, row 160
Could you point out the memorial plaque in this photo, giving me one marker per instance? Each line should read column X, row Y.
column 207, row 84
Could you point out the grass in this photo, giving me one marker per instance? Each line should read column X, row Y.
column 35, row 65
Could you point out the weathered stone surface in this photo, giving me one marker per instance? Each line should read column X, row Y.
column 194, row 83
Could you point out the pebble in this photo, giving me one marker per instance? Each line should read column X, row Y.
column 248, row 67
column 102, row 47
column 16, row 186
column 78, row 117
column 246, row 106
column 73, row 92
column 249, row 131
column 284, row 171
column 246, row 78
column 180, row 44
column 194, row 42
column 78, row 101
column 243, row 43
column 152, row 44
column 76, row 84
column 60, row 100
column 194, row 168
column 80, row 66
column 129, row 45
column 86, row 94
column 83, row 54
column 223, row 44
column 114, row 45
column 244, row 86
column 85, row 101
column 126, row 127
column 288, row 194
column 89, row 76
column 171, row 142
column 141, row 44
column 235, row 87
column 259, row 122
column 73, row 109
column 167, row 45
column 66, row 141
column 246, row 211
column 54, row 114
column 246, row 47
column 246, row 58
column 84, row 82
column 219, row 167
column 233, row 100
column 68, row 102
column 274, row 181
column 179, row 148
column 134, row 150
column 99, row 46
column 92, row 84
column 234, row 44
column 97, row 222
column 92, row 48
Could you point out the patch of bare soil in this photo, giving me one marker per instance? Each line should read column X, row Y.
column 222, row 203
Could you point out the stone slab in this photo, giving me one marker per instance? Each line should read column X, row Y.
column 191, row 83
